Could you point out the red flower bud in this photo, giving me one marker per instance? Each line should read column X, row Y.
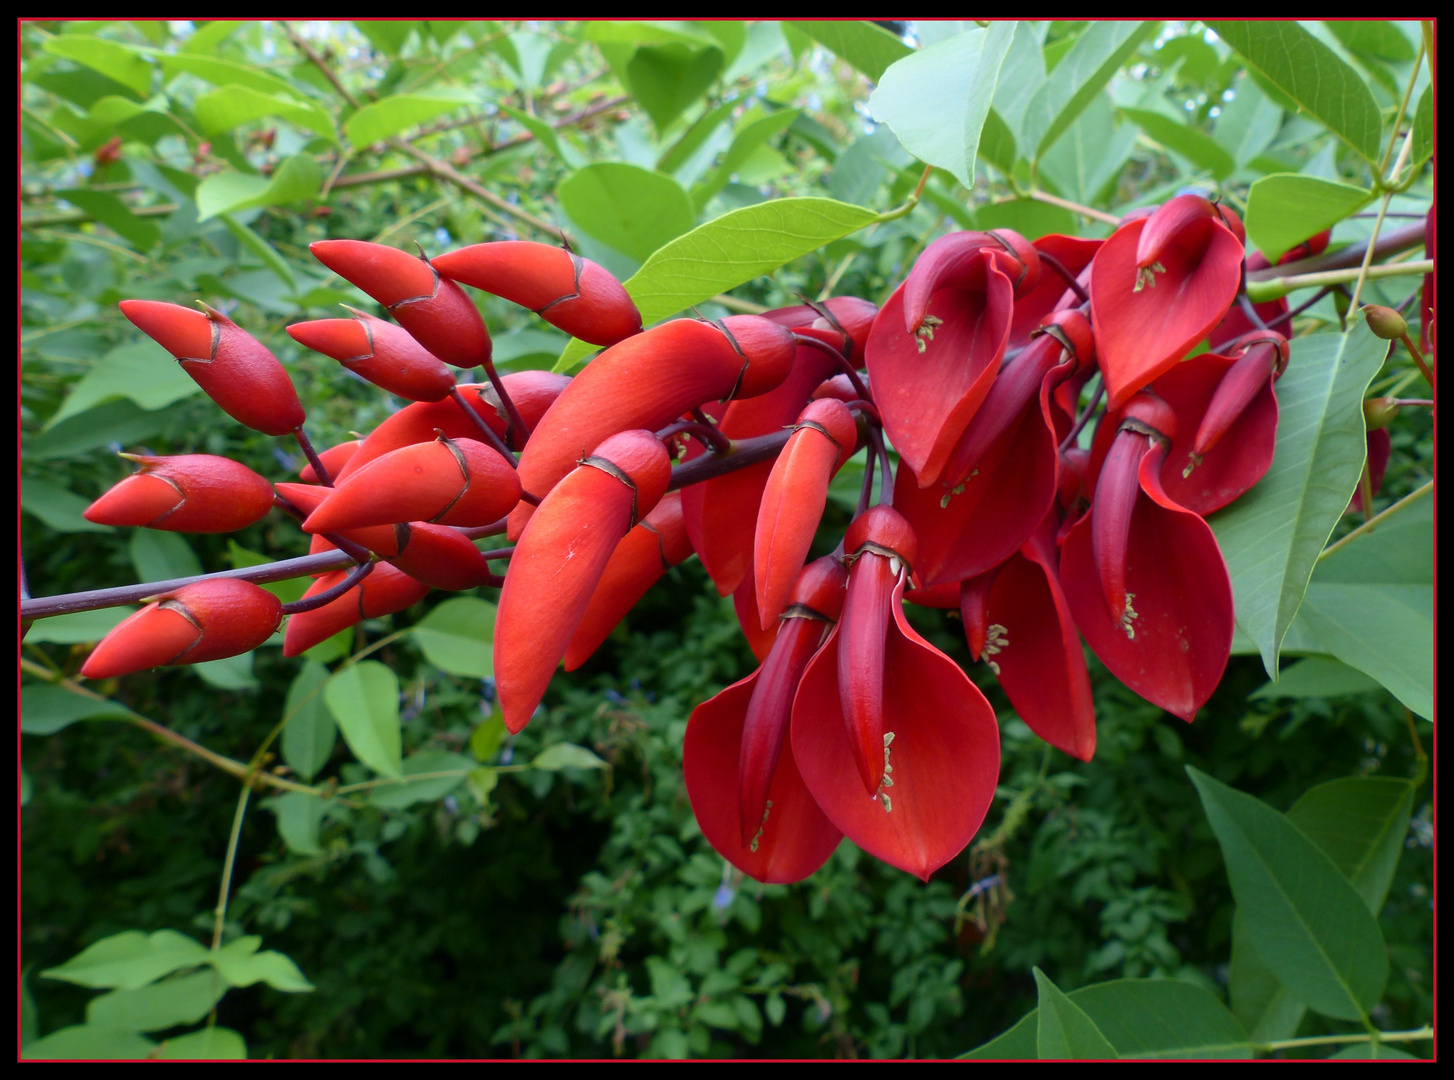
column 231, row 366
column 383, row 592
column 334, row 459
column 198, row 493
column 384, row 354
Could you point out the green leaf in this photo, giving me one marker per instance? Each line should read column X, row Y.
column 84, row 1042
column 386, row 35
column 936, row 100
column 1266, row 1008
column 261, row 248
column 665, row 79
column 208, row 37
column 634, row 210
column 749, row 138
column 1199, row 148
column 130, row 959
column 1310, row 74
column 1360, row 822
column 869, row 48
column 287, row 590
column 60, row 509
column 1271, row 537
column 567, row 756
column 115, row 215
column 219, row 72
column 1423, row 148
column 241, row 965
column 1303, row 917
column 1249, row 122
column 381, row 120
column 1096, row 55
column 300, row 815
column 428, row 788
column 1088, row 158
column 159, row 1006
column 1368, row 1051
column 1374, row 37
column 729, row 251
column 310, row 733
column 228, row 673
column 232, row 106
column 1316, row 676
column 457, row 637
column 364, row 700
column 695, row 137
column 112, row 59
column 142, row 371
column 46, row 708
column 207, row 1044
column 1284, row 209
column 669, row 987
column 546, row 136
column 295, row 179
column 118, row 420
column 159, row 556
column 79, row 627
column 486, row 739
column 1063, row 1031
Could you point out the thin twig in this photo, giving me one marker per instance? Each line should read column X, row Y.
column 228, row 862
column 317, row 61
column 494, row 440
column 327, row 596
column 1070, row 279
column 1075, row 208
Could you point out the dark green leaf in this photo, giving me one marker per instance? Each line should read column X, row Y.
column 1203, row 151
column 79, row 627
column 1268, row 1009
column 420, row 782
column 141, row 371
column 207, row 1044
column 159, row 556
column 1423, row 148
column 1368, row 1051
column 159, row 1006
column 117, row 420
column 1085, row 161
column 750, row 137
column 46, row 708
column 665, row 79
column 310, row 733
column 60, row 509
column 1064, row 1032
column 114, row 214
column 1316, row 676
column 1361, row 823
column 869, row 48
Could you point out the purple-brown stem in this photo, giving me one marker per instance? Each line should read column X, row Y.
column 356, row 552
column 1388, row 244
column 865, row 491
column 1295, row 312
column 1085, row 415
column 488, row 433
column 518, row 427
column 327, row 596
column 740, row 454
column 709, row 436
column 1250, row 311
column 312, row 455
column 842, row 361
column 886, row 480
column 1070, row 280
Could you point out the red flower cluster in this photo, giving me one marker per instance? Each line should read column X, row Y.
column 980, row 369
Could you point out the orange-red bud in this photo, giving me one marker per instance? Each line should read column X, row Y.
column 384, row 354
column 199, row 493
column 383, row 592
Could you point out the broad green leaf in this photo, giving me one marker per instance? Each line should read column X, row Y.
column 1423, row 148
column 85, row 1042
column 458, row 635
column 386, row 35
column 220, row 72
column 232, row 106
column 695, row 137
column 46, row 708
column 1284, row 209
column 729, row 251
column 241, row 965
column 112, row 59
column 79, row 627
column 1021, row 77
column 1088, row 158
column 567, row 756
column 546, row 136
column 869, row 48
column 364, row 700
column 1316, row 676
column 310, row 733
column 1195, row 146
column 207, row 1044
column 665, row 79
column 300, row 815
column 997, row 143
column 159, row 556
column 161, row 1005
column 1085, row 70
column 629, row 32
column 114, row 214
column 1312, row 75
column 528, row 349
column 142, row 371
column 1265, row 1007
column 486, row 739
column 1248, row 123
column 1372, row 36
column 130, row 959
column 634, row 210
column 1063, row 1031
column 1271, row 536
column 1368, row 1052
column 228, row 673
column 118, row 420
column 421, row 782
column 1385, row 631
column 380, row 120
column 60, row 509
column 1305, row 920
column 749, row 138
column 936, row 100
column 295, row 179
column 861, row 170
column 207, row 37
column 1361, row 823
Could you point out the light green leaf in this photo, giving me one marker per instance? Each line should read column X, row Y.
column 729, row 251
column 936, row 100
column 46, row 708
column 386, row 35
column 1200, row 149
column 1021, row 77
column 567, row 756
column 218, row 72
column 299, row 817
column 79, row 627
column 208, row 37
column 634, row 210
column 695, row 137
column 232, row 106
column 364, row 700
column 142, row 371
column 159, row 1006
column 310, row 733
column 261, row 248
column 869, row 48
column 1316, row 676
column 228, row 673
column 130, row 959
column 1284, row 209
column 457, row 637
column 84, row 1042
column 665, row 79
column 380, row 120
column 241, row 965
column 207, row 1044
column 428, row 787
column 295, row 179
column 114, row 214
column 159, row 556
column 1423, row 148
column 1312, row 75
column 749, row 138
column 1084, row 71
column 60, row 509
column 1372, row 36
column 1088, row 158
column 1360, row 822
column 116, row 61
column 1385, row 631
column 546, row 136
column 1271, row 536
column 1249, row 122
column 1305, row 920
column 1063, row 1031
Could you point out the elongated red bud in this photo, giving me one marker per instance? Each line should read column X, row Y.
column 334, row 459
column 432, row 308
column 644, row 554
column 1261, row 362
column 580, row 297
column 560, row 558
column 839, row 386
column 793, row 501
column 204, row 621
column 231, row 366
column 199, row 493
column 448, row 482
column 385, row 591
column 384, row 354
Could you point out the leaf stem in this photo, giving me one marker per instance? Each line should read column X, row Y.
column 1260, row 291
column 1361, row 1037
column 228, row 862
column 1373, row 522
column 907, row 206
